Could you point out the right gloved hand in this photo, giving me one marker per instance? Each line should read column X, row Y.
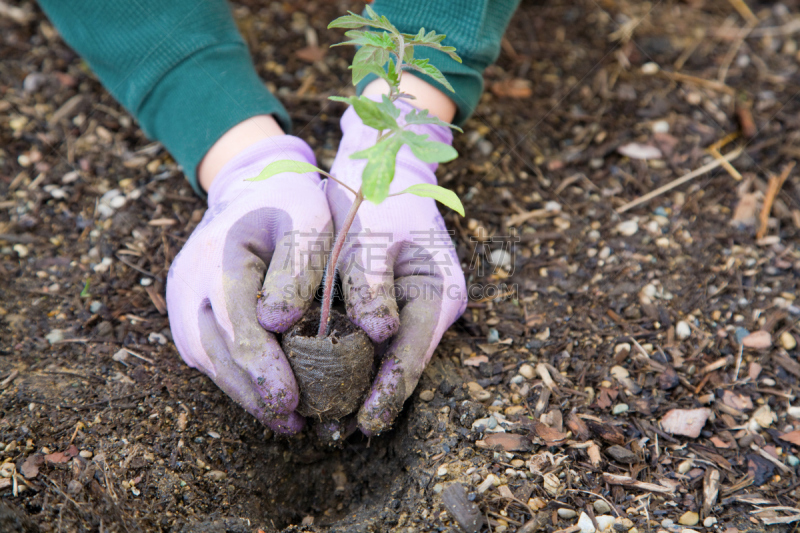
column 222, row 310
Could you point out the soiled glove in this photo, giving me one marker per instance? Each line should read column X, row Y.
column 219, row 311
column 400, row 273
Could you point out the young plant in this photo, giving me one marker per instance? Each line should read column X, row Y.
column 386, row 53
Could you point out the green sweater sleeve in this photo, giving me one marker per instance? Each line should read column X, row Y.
column 474, row 27
column 179, row 66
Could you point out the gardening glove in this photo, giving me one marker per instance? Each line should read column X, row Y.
column 222, row 310
column 399, row 270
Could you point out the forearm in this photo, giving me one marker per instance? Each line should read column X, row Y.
column 180, row 67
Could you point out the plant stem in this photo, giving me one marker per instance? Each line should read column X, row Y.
column 330, row 271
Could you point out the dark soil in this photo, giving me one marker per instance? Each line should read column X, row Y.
column 333, row 372
column 541, row 387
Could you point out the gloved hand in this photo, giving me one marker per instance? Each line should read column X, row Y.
column 220, row 313
column 400, row 273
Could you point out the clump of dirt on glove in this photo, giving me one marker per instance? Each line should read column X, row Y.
column 334, row 372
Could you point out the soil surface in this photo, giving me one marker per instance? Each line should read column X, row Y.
column 559, row 398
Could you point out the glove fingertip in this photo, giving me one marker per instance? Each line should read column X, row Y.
column 286, row 425
column 277, row 315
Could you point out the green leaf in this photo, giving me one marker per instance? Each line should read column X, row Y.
column 422, row 65
column 440, row 194
column 392, row 76
column 371, row 38
column 371, row 55
column 388, row 107
column 351, row 21
column 421, row 116
column 373, row 114
column 85, row 292
column 431, row 40
column 362, row 71
column 285, row 165
column 408, row 54
column 428, row 151
column 379, row 172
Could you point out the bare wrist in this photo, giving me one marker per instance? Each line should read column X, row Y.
column 426, row 96
column 232, row 143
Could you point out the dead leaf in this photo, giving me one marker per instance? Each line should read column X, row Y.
column 311, row 54
column 737, row 401
column 512, row 88
column 687, row 422
column 546, row 433
column 607, row 432
column 578, row 427
column 792, row 436
column 508, row 442
column 758, row 340
column 62, row 457
column 719, row 443
column 475, row 361
column 30, row 468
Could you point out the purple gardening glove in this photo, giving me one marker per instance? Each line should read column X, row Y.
column 221, row 307
column 400, row 273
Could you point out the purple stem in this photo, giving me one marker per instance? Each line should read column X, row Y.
column 330, row 271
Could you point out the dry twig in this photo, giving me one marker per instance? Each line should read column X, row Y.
column 680, row 181
column 774, row 186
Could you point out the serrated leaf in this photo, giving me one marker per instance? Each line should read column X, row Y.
column 408, row 54
column 372, row 114
column 379, row 172
column 440, row 194
column 421, row 116
column 351, row 21
column 360, row 72
column 431, row 40
column 371, row 55
column 377, row 39
column 392, row 76
column 422, row 65
column 428, row 151
column 285, row 165
column 388, row 107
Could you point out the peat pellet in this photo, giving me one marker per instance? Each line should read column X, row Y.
column 333, row 372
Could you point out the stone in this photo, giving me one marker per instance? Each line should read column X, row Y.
column 426, row 395
column 650, row 68
column 216, row 475
column 709, row 521
column 619, row 409
column 689, row 518
column 682, row 330
column 601, row 507
column 55, row 336
column 585, row 524
column 604, row 522
column 527, row 371
column 619, row 372
column 567, row 513
column 788, row 341
column 628, row 228
column 623, row 455
column 758, row 340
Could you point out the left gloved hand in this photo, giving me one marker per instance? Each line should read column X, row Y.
column 400, row 274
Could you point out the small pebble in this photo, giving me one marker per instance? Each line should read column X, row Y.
column 793, row 460
column 527, row 371
column 567, row 513
column 740, row 333
column 426, row 395
column 650, row 68
column 788, row 341
column 793, row 411
column 86, row 454
column 619, row 409
column 493, row 336
column 216, row 475
column 758, row 340
column 660, row 126
column 437, row 489
column 682, row 330
column 442, row 471
column 95, row 307
column 709, row 521
column 689, row 518
column 628, row 228
column 55, row 336
column 667, row 523
column 605, row 522
column 585, row 524
column 601, row 507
